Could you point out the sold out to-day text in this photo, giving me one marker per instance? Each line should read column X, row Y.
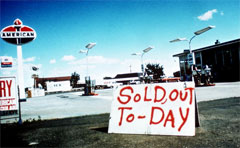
column 158, row 116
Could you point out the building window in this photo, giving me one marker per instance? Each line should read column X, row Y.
column 227, row 57
column 198, row 60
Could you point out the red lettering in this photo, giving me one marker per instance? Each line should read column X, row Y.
column 183, row 118
column 164, row 102
column 2, row 89
column 152, row 115
column 170, row 118
column 145, row 96
column 9, row 87
column 141, row 117
column 185, row 96
column 164, row 93
column 170, row 95
column 191, row 93
column 122, row 110
column 130, row 118
column 137, row 96
column 124, row 95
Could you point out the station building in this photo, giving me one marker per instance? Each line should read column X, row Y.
column 54, row 84
column 222, row 58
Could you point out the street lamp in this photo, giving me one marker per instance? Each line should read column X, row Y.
column 141, row 54
column 34, row 76
column 178, row 39
column 88, row 46
column 189, row 42
column 87, row 78
column 196, row 33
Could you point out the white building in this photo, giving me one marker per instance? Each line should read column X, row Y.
column 59, row 86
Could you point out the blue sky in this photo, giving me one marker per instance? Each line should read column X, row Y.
column 119, row 28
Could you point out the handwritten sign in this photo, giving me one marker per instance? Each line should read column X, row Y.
column 157, row 109
column 8, row 94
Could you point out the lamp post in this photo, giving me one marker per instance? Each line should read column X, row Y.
column 189, row 43
column 141, row 54
column 88, row 46
column 87, row 78
column 178, row 39
column 195, row 34
column 198, row 33
column 34, row 76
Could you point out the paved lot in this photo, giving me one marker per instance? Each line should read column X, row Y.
column 67, row 105
column 219, row 91
column 73, row 104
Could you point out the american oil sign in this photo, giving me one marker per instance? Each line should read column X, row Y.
column 8, row 94
column 18, row 33
column 158, row 109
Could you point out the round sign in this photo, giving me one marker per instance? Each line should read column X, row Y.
column 18, row 33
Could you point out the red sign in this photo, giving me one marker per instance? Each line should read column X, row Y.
column 8, row 94
column 18, row 33
column 6, row 62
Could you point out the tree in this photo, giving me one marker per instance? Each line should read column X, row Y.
column 154, row 69
column 74, row 79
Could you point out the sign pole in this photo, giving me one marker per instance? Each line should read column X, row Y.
column 19, row 106
column 20, row 72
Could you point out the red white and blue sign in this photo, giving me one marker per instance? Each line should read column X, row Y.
column 18, row 33
column 6, row 62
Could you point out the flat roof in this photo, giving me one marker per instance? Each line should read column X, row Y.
column 128, row 75
column 210, row 47
column 64, row 78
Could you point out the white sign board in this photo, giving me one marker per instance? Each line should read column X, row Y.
column 8, row 94
column 157, row 109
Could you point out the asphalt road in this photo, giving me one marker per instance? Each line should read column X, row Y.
column 219, row 91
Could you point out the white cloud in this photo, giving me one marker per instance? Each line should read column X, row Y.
column 53, row 61
column 68, row 58
column 207, row 15
column 31, row 59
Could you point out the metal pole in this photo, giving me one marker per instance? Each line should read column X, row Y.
column 193, row 57
column 190, row 43
column 191, row 49
column 19, row 106
column 20, row 72
column 87, row 62
column 142, row 66
column 35, row 83
column 87, row 81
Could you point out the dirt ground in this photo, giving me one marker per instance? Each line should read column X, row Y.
column 220, row 126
